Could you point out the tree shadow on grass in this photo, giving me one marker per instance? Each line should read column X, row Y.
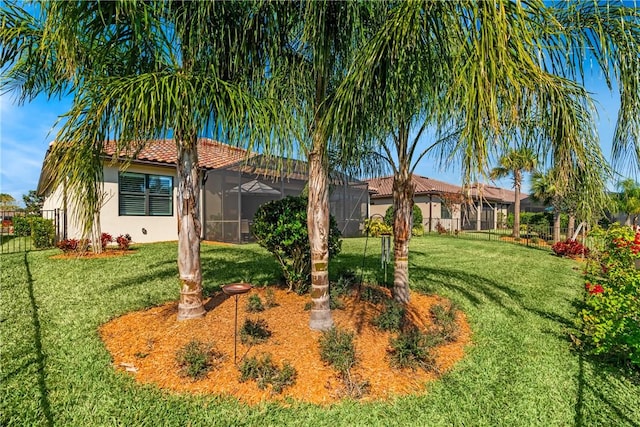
column 37, row 338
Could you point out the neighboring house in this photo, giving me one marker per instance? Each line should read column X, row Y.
column 140, row 200
column 475, row 207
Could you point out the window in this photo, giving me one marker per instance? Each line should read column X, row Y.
column 445, row 213
column 145, row 195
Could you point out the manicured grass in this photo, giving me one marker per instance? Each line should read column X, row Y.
column 520, row 370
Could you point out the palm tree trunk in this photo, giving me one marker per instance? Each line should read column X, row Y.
column 571, row 227
column 189, row 229
column 403, row 208
column 516, row 204
column 318, row 226
column 556, row 225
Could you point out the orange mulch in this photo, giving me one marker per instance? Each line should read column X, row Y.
column 108, row 253
column 523, row 241
column 145, row 343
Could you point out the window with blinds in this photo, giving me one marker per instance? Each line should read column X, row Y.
column 445, row 213
column 145, row 195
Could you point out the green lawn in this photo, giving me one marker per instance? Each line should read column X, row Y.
column 520, row 369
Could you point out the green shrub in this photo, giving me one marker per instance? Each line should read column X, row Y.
column 280, row 226
column 343, row 286
column 611, row 313
column 254, row 331
column 376, row 227
column 373, row 294
column 264, row 372
column 412, row 349
column 392, row 318
column 43, row 232
column 338, row 349
column 444, row 320
column 417, row 231
column 270, row 299
column 416, row 216
column 254, row 304
column 22, row 226
column 196, row 359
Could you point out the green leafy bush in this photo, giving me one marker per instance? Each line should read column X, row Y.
column 392, row 318
column 444, row 321
column 337, row 349
column 22, row 226
column 43, row 232
column 254, row 304
column 264, row 372
column 196, row 359
column 376, row 227
column 416, row 216
column 254, row 331
column 280, row 226
column 611, row 313
column 270, row 299
column 417, row 230
column 412, row 349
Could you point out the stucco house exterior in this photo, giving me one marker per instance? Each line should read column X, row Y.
column 474, row 207
column 140, row 200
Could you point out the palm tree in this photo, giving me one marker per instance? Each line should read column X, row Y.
column 491, row 70
column 514, row 163
column 140, row 71
column 544, row 189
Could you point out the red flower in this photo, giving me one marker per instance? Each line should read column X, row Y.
column 597, row 289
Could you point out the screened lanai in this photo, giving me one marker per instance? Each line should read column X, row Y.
column 233, row 194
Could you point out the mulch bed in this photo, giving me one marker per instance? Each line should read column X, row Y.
column 108, row 253
column 145, row 343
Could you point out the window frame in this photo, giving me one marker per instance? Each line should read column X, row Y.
column 148, row 195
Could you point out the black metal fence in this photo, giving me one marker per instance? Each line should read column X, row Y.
column 19, row 234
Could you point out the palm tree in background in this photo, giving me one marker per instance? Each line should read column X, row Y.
column 628, row 200
column 487, row 72
column 513, row 164
column 139, row 71
column 545, row 190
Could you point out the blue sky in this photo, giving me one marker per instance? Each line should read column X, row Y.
column 26, row 131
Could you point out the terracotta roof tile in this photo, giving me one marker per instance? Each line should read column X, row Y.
column 211, row 154
column 493, row 193
column 383, row 187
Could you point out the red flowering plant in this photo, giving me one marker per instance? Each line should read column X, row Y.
column 123, row 241
column 105, row 239
column 570, row 248
column 611, row 314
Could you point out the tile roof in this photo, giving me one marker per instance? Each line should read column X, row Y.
column 211, row 154
column 493, row 193
column 383, row 187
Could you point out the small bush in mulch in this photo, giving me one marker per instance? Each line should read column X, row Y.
column 570, row 248
column 373, row 294
column 254, row 331
column 412, row 349
column 264, row 372
column 196, row 359
column 444, row 321
column 270, row 299
column 254, row 304
column 338, row 349
column 392, row 318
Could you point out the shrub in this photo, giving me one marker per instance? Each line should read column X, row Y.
column 68, row 245
column 416, row 216
column 105, row 239
column 196, row 359
column 123, row 242
column 417, row 231
column 444, row 319
column 270, row 299
column 392, row 318
column 611, row 313
column 373, row 294
column 570, row 248
column 43, row 232
column 21, row 226
column 440, row 228
column 264, row 372
column 280, row 226
column 412, row 349
column 343, row 286
column 254, row 331
column 254, row 304
column 376, row 227
column 337, row 349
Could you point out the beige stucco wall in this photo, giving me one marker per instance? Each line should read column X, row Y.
column 380, row 206
column 158, row 228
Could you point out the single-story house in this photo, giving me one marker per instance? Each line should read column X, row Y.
column 140, row 200
column 474, row 207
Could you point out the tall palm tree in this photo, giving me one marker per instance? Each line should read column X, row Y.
column 494, row 69
column 545, row 190
column 514, row 163
column 140, row 71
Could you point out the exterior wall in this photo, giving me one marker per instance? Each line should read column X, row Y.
column 142, row 229
column 430, row 207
